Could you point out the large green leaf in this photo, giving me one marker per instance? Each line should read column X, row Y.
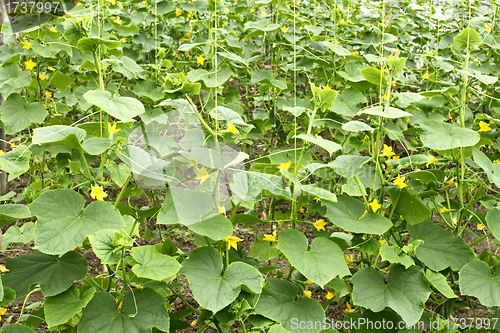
column 311, row 189
column 59, row 135
column 441, row 248
column 492, row 169
column 105, row 247
column 442, row 136
column 90, row 44
column 210, row 79
column 479, row 280
column 388, row 112
column 349, row 214
column 212, row 289
column 409, row 205
column 50, row 47
column 17, row 114
column 405, row 291
column 279, row 302
column 123, row 108
column 16, row 234
column 13, row 212
column 61, row 308
column 252, row 186
column 16, row 162
column 467, row 39
column 320, row 263
column 439, row 282
column 63, row 224
column 374, row 76
column 152, row 264
column 140, row 311
column 327, row 145
column 53, row 274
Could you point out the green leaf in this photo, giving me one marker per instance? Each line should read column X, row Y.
column 63, row 224
column 337, row 49
column 60, row 80
column 50, row 47
column 479, row 280
column 234, row 57
column 322, row 262
column 396, row 65
column 263, row 250
column 16, row 328
column 493, row 221
column 252, row 186
column 388, row 112
column 90, row 44
column 119, row 172
column 152, row 264
column 16, row 234
column 53, row 274
column 323, row 97
column 123, row 108
column 141, row 310
column 349, row 214
column 59, row 135
column 17, row 115
column 212, row 289
column 327, row 145
column 467, row 39
column 374, row 76
column 209, row 78
column 61, row 308
column 492, row 169
column 294, row 110
column 371, row 291
column 96, row 145
column 13, row 212
column 104, row 246
column 438, row 281
column 441, row 248
column 16, row 162
column 409, row 205
column 395, row 255
column 356, row 126
column 278, row 302
column 441, row 136
column 217, row 227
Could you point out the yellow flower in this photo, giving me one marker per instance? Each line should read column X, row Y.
column 307, row 293
column 425, row 76
column 117, row 20
column 355, row 33
column 42, row 76
column 2, row 312
column 123, row 39
column 178, row 12
column 284, row 29
column 375, row 205
column 329, row 295
column 51, row 68
column 202, row 175
column 53, row 29
column 496, row 161
column 263, row 14
column 194, row 322
column 385, row 96
column 480, row 226
column 301, row 209
column 395, row 158
column 284, row 166
column 222, row 210
column 232, row 242
column 270, row 238
column 200, row 59
column 26, row 45
column 113, row 2
column 3, row 269
column 484, row 127
column 387, row 151
column 317, row 199
column 444, row 210
column 48, row 94
column 398, row 51
column 309, row 282
column 2, row 152
column 348, row 259
column 120, row 5
column 97, row 193
column 348, row 308
column 227, row 10
column 393, row 83
column 112, row 129
column 342, row 21
column 30, row 64
column 432, row 160
column 232, row 129
column 320, row 224
column 252, row 10
column 382, row 241
column 400, row 182
column 487, row 28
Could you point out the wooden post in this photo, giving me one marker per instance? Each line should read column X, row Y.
column 3, row 174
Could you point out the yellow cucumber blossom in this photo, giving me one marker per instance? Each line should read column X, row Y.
column 484, row 127
column 26, row 45
column 307, row 293
column 232, row 129
column 329, row 295
column 400, row 181
column 375, row 205
column 232, row 241
column 387, row 151
column 97, row 193
column 320, row 224
column 285, row 166
column 432, row 160
column 270, row 238
column 202, row 175
column 30, row 64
